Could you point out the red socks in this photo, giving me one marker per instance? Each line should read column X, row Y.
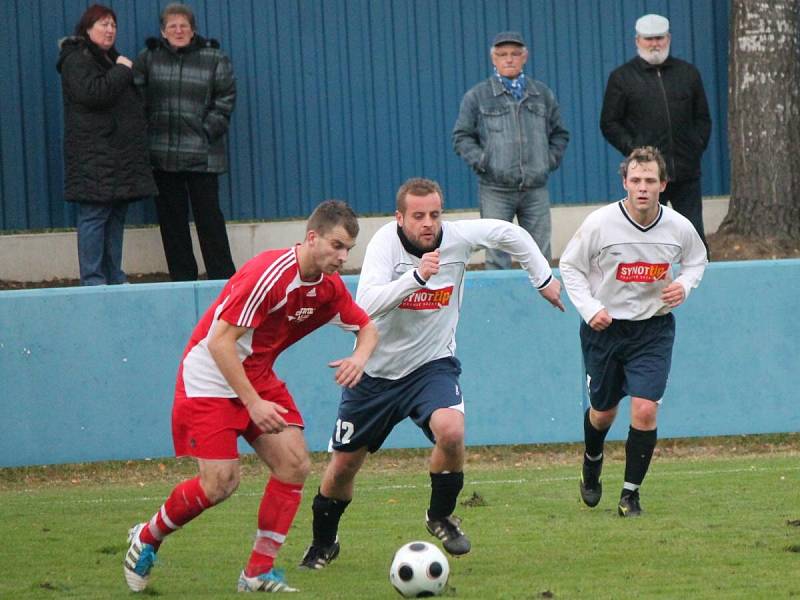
column 185, row 502
column 275, row 515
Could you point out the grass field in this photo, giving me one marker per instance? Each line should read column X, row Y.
column 721, row 521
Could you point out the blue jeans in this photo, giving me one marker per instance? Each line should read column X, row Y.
column 100, row 228
column 532, row 209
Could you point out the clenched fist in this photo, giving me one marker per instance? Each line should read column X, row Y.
column 429, row 265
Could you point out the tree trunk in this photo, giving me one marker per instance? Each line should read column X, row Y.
column 764, row 119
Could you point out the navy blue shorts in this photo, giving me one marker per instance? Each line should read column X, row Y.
column 629, row 358
column 369, row 411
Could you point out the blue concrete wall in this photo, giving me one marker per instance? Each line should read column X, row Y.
column 87, row 374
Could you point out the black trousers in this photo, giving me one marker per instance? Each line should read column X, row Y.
column 175, row 191
column 686, row 197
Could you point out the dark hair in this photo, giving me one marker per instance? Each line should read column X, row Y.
column 91, row 16
column 417, row 186
column 645, row 154
column 176, row 8
column 331, row 213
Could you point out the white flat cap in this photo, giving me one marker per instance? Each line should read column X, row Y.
column 652, row 26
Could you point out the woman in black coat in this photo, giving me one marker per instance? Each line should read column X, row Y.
column 106, row 162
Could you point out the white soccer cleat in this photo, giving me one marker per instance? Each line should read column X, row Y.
column 138, row 561
column 271, row 581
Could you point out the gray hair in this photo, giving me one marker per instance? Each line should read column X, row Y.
column 492, row 48
column 176, row 8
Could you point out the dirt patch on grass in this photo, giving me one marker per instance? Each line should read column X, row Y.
column 474, row 501
column 170, row 470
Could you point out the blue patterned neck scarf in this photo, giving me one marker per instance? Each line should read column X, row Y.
column 515, row 87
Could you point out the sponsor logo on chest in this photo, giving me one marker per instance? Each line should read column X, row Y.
column 301, row 314
column 425, row 299
column 641, row 272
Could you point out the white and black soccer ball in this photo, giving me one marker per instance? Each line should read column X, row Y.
column 419, row 569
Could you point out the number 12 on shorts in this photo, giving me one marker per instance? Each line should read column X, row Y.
column 344, row 431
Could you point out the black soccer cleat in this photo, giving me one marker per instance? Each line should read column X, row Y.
column 629, row 504
column 319, row 557
column 591, row 486
column 448, row 530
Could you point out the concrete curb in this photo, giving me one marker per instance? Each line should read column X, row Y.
column 46, row 256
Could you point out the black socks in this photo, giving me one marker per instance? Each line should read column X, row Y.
column 445, row 488
column 593, row 438
column 638, row 452
column 327, row 513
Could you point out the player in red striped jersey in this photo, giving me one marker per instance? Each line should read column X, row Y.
column 226, row 388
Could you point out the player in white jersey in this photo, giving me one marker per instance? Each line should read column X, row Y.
column 617, row 270
column 411, row 285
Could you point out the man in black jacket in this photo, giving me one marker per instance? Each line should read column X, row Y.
column 658, row 100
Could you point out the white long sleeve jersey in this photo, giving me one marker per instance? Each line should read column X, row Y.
column 612, row 262
column 417, row 323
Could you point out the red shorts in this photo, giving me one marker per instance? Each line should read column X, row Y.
column 209, row 428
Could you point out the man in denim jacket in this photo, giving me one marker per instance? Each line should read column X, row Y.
column 509, row 131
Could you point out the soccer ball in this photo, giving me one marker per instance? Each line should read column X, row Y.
column 419, row 569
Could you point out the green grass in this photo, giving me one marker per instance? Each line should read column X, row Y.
column 716, row 525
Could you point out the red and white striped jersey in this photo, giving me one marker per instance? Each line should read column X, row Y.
column 268, row 297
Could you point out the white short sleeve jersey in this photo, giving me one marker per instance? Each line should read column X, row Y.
column 612, row 262
column 417, row 320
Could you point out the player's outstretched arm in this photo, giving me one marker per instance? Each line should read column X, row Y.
column 349, row 370
column 552, row 293
column 222, row 346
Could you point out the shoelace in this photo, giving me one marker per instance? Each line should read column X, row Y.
column 451, row 526
column 315, row 553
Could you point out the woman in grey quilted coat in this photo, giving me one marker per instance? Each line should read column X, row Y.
column 189, row 92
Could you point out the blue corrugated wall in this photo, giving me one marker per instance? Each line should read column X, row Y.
column 346, row 98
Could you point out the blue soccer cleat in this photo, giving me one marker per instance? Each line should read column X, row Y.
column 271, row 581
column 138, row 561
